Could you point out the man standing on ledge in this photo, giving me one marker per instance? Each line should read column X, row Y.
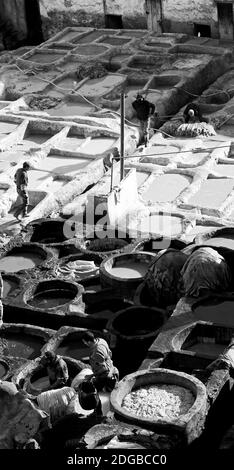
column 144, row 110
column 21, row 181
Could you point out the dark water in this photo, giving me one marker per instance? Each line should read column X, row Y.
column 221, row 313
column 41, row 383
column 73, row 348
column 20, row 345
column 211, row 349
column 51, row 298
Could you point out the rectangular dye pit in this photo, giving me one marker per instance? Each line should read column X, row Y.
column 212, row 194
column 38, row 178
column 38, row 139
column 133, row 33
column 121, row 57
column 4, row 166
column 142, row 63
column 98, row 145
column 141, row 177
column 132, row 84
column 29, row 84
column 63, row 87
column 90, row 49
column 184, row 362
column 15, row 156
column 225, row 170
column 164, row 45
column 89, row 37
column 71, row 109
column 71, row 143
column 115, row 40
column 166, row 188
column 44, row 58
column 6, row 128
column 220, row 312
column 67, row 37
column 100, row 86
column 163, row 82
column 208, row 340
column 63, row 165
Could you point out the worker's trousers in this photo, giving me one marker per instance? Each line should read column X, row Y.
column 144, row 130
column 22, row 208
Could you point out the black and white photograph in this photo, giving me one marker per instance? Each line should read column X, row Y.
column 116, row 232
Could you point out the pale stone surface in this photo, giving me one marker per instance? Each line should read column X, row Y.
column 195, row 11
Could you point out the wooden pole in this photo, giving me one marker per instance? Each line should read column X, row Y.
column 122, row 111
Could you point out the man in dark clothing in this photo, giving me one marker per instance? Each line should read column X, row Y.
column 21, row 181
column 56, row 369
column 144, row 110
column 100, row 358
column 110, row 157
column 192, row 114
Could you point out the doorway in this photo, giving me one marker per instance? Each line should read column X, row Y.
column 225, row 20
column 113, row 21
column 34, row 24
column 202, row 30
column 154, row 15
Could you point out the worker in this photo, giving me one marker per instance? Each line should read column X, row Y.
column 144, row 110
column 110, row 157
column 100, row 358
column 192, row 114
column 56, row 369
column 21, row 181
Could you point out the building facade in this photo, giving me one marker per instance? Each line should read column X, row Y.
column 210, row 18
column 196, row 17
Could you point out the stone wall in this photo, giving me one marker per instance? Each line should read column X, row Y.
column 58, row 14
column 179, row 15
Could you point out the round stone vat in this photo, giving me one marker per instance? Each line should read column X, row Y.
column 4, row 368
column 46, row 231
column 33, row 379
column 53, row 294
column 126, row 271
column 68, row 249
column 134, row 329
column 23, row 257
column 11, row 285
column 161, row 243
column 107, row 246
column 23, row 341
column 188, row 418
